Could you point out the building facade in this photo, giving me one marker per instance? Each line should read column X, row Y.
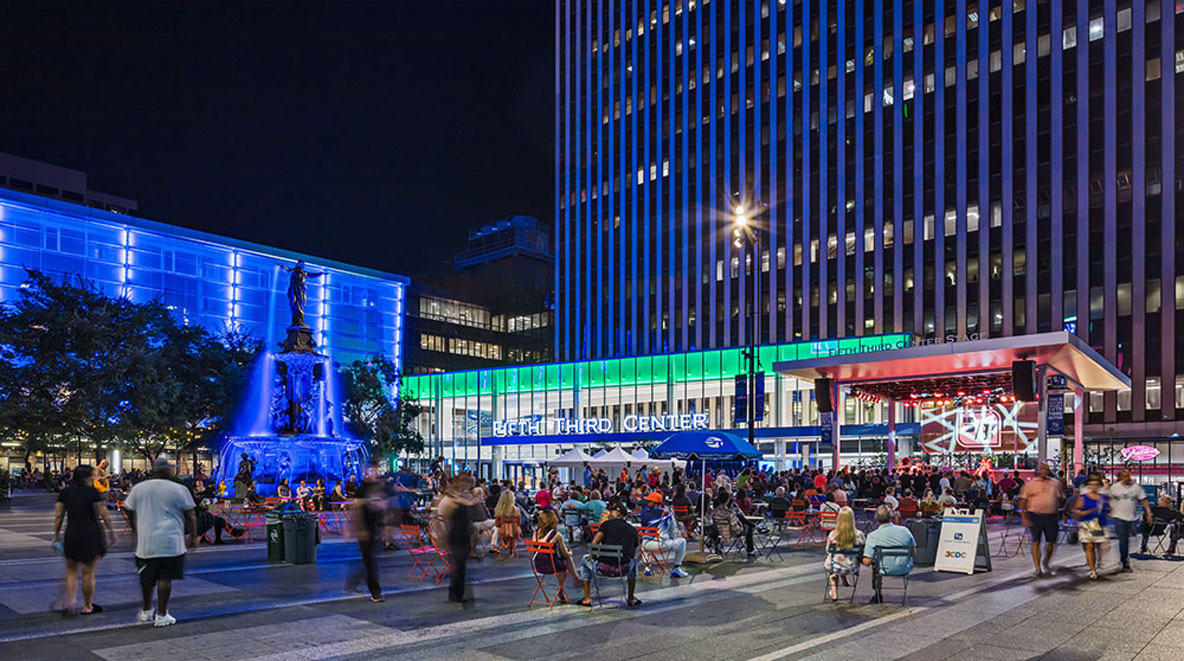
column 491, row 309
column 948, row 168
column 48, row 180
column 204, row 279
column 507, row 421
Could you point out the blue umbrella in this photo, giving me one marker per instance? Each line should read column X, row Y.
column 703, row 445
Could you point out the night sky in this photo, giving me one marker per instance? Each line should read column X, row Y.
column 375, row 134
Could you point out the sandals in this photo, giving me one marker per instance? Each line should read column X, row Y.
column 94, row 608
column 633, row 602
column 586, row 603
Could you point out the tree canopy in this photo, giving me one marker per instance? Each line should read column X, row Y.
column 372, row 413
column 78, row 365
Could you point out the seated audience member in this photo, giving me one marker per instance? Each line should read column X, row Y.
column 888, row 534
column 508, row 521
column 1165, row 521
column 618, row 532
column 844, row 537
column 338, row 494
column 351, row 487
column 778, row 504
column 727, row 518
column 948, row 499
column 674, row 546
column 890, row 499
column 283, row 490
column 206, row 521
column 572, row 511
column 829, row 506
column 908, row 506
column 548, row 531
column 595, row 506
column 318, row 495
column 304, row 495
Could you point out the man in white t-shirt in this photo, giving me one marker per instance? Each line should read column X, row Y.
column 161, row 511
column 1125, row 494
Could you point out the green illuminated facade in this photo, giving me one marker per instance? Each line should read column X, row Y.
column 517, row 416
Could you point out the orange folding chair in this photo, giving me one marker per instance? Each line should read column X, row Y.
column 826, row 523
column 421, row 554
column 659, row 558
column 542, row 554
column 445, row 559
column 799, row 523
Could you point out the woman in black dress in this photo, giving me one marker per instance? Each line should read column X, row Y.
column 85, row 508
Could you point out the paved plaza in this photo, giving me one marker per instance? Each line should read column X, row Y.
column 235, row 605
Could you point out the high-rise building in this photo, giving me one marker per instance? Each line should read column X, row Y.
column 948, row 168
column 491, row 309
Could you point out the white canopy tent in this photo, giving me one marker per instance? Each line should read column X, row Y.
column 640, row 453
column 574, row 458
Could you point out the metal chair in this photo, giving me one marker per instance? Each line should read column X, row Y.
column 610, row 555
column 542, row 554
column 656, row 558
column 421, row 554
column 572, row 521
column 878, row 556
column 857, row 552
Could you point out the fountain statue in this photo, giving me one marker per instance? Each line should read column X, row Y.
column 290, row 424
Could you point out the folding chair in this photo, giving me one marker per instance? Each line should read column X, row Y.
column 857, row 552
column 827, row 521
column 610, row 554
column 571, row 522
column 653, row 558
column 421, row 555
column 799, row 523
column 878, row 556
column 543, row 554
column 683, row 516
column 726, row 542
column 445, row 558
column 1162, row 531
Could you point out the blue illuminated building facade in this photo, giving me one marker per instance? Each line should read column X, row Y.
column 947, row 168
column 204, row 279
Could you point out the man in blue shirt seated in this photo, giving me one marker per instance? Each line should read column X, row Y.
column 654, row 515
column 888, row 534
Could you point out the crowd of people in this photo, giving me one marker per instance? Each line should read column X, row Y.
column 637, row 510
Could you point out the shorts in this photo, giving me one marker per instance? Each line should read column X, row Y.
column 1045, row 525
column 589, row 565
column 152, row 570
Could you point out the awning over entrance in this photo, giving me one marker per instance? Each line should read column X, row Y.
column 1060, row 351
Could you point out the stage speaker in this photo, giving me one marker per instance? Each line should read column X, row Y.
column 822, row 393
column 1023, row 380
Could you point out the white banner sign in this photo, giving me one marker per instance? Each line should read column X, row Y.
column 957, row 545
column 539, row 426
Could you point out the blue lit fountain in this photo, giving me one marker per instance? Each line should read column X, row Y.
column 290, row 424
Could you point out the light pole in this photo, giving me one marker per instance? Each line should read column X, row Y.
column 746, row 232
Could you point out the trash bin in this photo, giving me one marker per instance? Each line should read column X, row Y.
column 927, row 532
column 300, row 537
column 275, row 537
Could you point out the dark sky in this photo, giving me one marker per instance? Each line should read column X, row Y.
column 375, row 134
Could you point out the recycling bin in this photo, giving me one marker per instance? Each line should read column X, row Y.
column 275, row 537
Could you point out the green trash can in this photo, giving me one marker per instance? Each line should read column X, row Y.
column 275, row 537
column 300, row 537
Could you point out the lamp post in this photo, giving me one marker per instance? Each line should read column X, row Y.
column 746, row 232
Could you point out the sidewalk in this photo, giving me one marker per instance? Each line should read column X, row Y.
column 234, row 605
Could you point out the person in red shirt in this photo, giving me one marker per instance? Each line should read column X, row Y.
column 820, row 481
column 543, row 498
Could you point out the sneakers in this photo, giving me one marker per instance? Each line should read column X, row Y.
column 648, row 571
column 1037, row 574
column 164, row 620
column 677, row 572
column 144, row 616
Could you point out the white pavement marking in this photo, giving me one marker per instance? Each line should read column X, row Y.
column 676, row 597
column 860, row 628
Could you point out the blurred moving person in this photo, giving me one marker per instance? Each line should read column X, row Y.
column 453, row 510
column 369, row 512
column 161, row 512
column 83, row 507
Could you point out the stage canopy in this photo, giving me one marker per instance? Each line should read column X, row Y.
column 974, row 366
column 700, row 445
column 574, row 458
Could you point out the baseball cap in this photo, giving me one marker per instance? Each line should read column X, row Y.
column 654, row 497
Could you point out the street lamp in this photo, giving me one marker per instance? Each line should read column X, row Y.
column 746, row 232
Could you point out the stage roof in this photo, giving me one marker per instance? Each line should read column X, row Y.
column 1061, row 351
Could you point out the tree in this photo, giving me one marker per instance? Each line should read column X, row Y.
column 79, row 365
column 372, row 413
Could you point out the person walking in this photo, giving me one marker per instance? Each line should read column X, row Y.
column 453, row 510
column 161, row 512
column 1124, row 496
column 1040, row 503
column 1092, row 511
column 369, row 512
column 83, row 508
